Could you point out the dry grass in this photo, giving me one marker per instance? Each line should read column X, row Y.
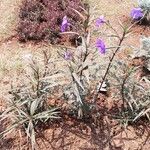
column 8, row 17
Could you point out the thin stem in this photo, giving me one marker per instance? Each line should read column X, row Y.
column 125, row 32
column 109, row 25
column 109, row 65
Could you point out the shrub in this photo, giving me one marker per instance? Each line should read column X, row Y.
column 41, row 19
column 28, row 105
column 88, row 75
column 133, row 84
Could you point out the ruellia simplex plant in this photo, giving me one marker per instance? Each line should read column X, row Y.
column 81, row 62
column 28, row 106
column 141, row 12
column 133, row 84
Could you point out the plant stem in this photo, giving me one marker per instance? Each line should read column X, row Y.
column 125, row 32
column 109, row 65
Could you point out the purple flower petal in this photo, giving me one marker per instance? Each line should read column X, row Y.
column 65, row 24
column 136, row 13
column 100, row 21
column 68, row 55
column 101, row 46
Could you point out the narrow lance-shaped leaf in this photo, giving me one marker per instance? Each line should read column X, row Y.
column 76, row 78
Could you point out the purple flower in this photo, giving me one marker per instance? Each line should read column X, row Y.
column 100, row 21
column 101, row 46
column 65, row 24
column 136, row 13
column 68, row 55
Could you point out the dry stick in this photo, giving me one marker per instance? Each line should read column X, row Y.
column 109, row 65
